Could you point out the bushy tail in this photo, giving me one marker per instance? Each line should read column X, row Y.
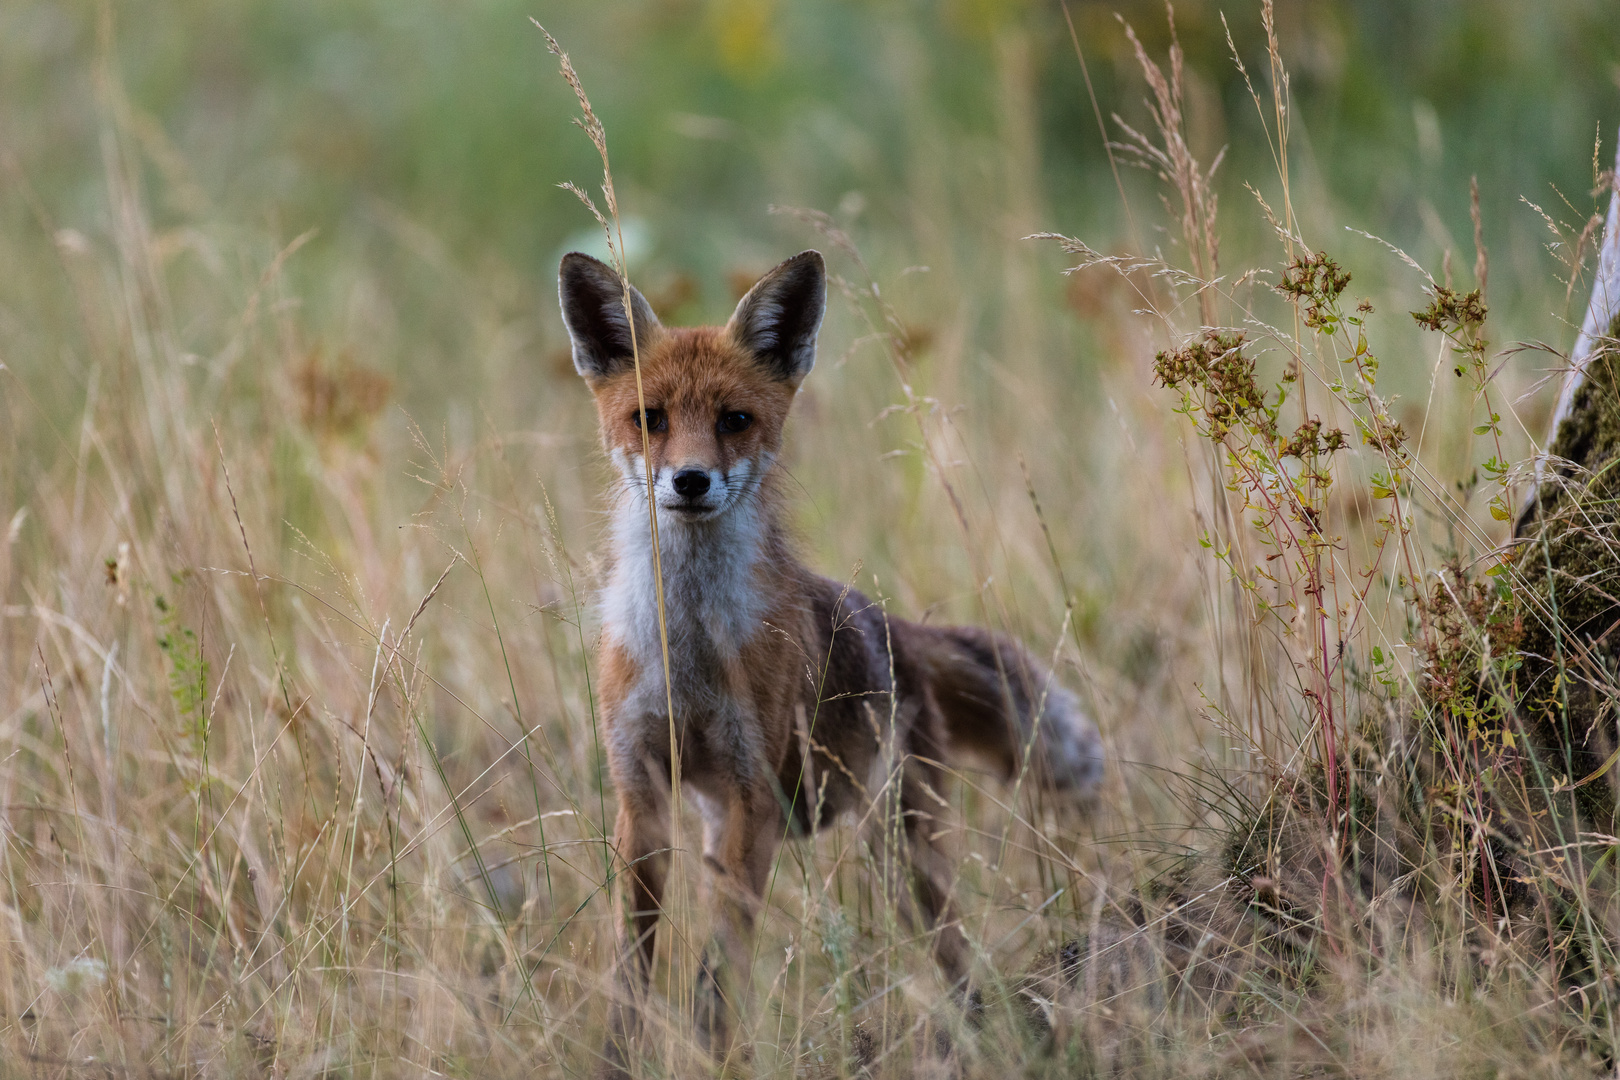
column 989, row 689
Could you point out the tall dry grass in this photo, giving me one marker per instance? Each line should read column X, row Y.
column 302, row 769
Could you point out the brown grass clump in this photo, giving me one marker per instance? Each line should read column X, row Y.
column 338, row 399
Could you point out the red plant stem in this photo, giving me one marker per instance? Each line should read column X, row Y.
column 1484, row 838
column 1324, row 704
column 1324, row 700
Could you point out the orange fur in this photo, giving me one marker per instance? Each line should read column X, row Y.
column 794, row 698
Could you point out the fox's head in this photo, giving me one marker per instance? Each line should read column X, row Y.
column 716, row 397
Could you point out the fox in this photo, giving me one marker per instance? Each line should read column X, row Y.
column 793, row 699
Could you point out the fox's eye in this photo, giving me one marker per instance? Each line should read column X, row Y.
column 656, row 420
column 733, row 422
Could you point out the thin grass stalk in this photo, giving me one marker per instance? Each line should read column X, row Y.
column 614, row 229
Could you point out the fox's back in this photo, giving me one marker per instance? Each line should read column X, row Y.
column 864, row 704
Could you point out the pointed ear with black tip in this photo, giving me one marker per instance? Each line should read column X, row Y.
column 592, row 298
column 780, row 316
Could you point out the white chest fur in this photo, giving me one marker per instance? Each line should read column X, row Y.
column 712, row 601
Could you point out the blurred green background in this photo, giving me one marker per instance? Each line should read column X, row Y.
column 424, row 142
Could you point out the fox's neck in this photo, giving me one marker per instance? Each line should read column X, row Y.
column 712, row 570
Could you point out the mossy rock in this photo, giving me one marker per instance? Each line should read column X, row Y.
column 1568, row 577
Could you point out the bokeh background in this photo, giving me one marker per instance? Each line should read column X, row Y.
column 425, row 142
column 317, row 242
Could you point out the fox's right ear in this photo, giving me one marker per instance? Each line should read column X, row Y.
column 592, row 297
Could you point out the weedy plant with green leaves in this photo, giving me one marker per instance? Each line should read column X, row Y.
column 1423, row 792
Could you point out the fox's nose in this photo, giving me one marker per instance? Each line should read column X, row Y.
column 691, row 483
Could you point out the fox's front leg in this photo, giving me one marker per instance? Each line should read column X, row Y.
column 642, row 839
column 739, row 843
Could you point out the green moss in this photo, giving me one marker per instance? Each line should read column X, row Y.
column 1569, row 576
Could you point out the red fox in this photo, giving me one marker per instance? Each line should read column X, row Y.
column 793, row 697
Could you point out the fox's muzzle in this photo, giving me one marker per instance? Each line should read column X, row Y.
column 691, row 483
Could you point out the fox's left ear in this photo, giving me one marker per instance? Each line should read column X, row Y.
column 780, row 316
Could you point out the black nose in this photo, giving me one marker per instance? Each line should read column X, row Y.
column 691, row 483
